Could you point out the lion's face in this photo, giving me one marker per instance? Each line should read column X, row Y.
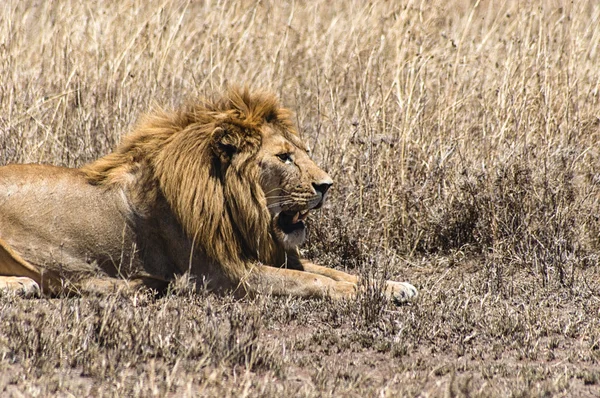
column 292, row 183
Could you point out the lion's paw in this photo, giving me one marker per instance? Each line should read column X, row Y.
column 401, row 292
column 21, row 286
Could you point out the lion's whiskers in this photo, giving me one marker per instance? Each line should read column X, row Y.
column 278, row 197
column 281, row 204
column 277, row 189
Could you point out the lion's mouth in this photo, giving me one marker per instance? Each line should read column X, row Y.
column 291, row 221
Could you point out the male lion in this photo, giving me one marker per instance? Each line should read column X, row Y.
column 219, row 191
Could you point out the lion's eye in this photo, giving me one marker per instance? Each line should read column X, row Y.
column 285, row 157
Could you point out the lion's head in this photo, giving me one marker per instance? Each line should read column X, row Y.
column 234, row 171
column 291, row 182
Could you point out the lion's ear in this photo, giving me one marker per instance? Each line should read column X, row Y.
column 229, row 139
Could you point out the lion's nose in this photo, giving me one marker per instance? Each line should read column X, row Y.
column 322, row 187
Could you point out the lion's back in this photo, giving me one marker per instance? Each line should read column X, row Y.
column 53, row 218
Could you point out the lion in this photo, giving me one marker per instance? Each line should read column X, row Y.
column 219, row 191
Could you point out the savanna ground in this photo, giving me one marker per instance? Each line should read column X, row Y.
column 463, row 137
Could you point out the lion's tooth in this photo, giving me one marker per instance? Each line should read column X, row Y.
column 295, row 219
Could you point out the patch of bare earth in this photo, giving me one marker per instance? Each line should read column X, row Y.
column 458, row 338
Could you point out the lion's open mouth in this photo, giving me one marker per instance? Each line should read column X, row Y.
column 291, row 221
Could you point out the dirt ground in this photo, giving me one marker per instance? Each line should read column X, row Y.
column 463, row 139
column 455, row 340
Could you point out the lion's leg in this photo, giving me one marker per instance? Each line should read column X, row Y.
column 11, row 264
column 328, row 272
column 15, row 271
column 20, row 285
column 287, row 282
column 107, row 285
column 397, row 291
column 17, row 275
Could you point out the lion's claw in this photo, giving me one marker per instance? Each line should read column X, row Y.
column 401, row 292
column 21, row 286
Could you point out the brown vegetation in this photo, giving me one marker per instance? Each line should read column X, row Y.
column 462, row 137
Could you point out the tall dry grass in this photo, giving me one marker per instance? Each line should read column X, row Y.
column 461, row 134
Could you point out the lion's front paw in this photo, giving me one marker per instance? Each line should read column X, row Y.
column 400, row 292
column 21, row 286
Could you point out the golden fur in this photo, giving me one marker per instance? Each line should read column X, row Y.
column 185, row 170
column 218, row 190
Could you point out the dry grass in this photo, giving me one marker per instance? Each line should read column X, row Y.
column 463, row 137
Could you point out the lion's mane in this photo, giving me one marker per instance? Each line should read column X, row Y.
column 186, row 157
